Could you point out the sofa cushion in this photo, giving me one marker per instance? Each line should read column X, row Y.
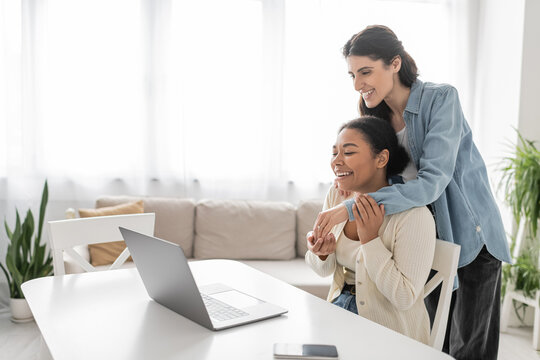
column 306, row 214
column 174, row 217
column 245, row 230
column 107, row 253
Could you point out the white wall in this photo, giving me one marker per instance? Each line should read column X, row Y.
column 529, row 113
column 497, row 75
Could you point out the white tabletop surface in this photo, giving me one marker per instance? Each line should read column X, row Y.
column 109, row 315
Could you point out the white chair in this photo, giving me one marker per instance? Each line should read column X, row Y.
column 512, row 294
column 64, row 235
column 445, row 262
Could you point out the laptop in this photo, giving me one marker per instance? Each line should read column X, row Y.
column 168, row 280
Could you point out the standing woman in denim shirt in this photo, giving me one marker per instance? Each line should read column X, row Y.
column 446, row 172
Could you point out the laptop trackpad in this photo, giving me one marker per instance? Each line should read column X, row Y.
column 236, row 299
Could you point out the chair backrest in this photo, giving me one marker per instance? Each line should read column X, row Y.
column 445, row 262
column 66, row 234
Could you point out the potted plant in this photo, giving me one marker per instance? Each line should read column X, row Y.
column 26, row 258
column 521, row 177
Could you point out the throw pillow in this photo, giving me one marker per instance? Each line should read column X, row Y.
column 106, row 253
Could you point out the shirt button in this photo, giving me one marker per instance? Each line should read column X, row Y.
column 478, row 229
column 361, row 302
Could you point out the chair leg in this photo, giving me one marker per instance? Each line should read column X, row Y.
column 506, row 312
column 536, row 329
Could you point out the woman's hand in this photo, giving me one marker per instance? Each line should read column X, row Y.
column 327, row 219
column 321, row 247
column 368, row 217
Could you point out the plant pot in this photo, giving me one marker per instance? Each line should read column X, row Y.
column 20, row 311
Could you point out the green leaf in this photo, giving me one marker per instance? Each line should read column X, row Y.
column 10, row 282
column 17, row 231
column 37, row 260
column 521, row 176
column 28, row 231
column 15, row 274
column 42, row 208
column 8, row 230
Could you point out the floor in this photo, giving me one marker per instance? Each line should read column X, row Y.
column 18, row 341
column 23, row 342
column 516, row 344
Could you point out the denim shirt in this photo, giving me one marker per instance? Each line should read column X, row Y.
column 452, row 176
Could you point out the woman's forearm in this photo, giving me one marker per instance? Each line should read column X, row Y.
column 322, row 268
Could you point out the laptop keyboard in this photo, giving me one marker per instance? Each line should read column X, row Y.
column 219, row 310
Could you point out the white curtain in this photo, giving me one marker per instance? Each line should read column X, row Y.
column 200, row 99
column 238, row 98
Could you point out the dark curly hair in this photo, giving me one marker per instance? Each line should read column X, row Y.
column 381, row 135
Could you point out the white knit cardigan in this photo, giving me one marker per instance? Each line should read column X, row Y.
column 391, row 270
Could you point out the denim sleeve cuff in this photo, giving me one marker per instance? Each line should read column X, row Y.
column 349, row 204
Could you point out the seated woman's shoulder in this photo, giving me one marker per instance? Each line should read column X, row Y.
column 419, row 220
column 419, row 213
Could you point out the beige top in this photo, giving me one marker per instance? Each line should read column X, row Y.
column 391, row 270
column 346, row 254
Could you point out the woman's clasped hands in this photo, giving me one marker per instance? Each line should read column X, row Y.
column 322, row 247
column 327, row 219
column 368, row 217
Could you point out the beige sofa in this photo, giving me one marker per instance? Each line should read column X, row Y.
column 269, row 236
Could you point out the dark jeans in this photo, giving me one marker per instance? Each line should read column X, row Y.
column 473, row 322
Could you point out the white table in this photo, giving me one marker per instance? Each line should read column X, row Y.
column 108, row 315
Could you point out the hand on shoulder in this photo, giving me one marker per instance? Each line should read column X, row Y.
column 368, row 216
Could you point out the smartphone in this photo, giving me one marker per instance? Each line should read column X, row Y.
column 305, row 351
